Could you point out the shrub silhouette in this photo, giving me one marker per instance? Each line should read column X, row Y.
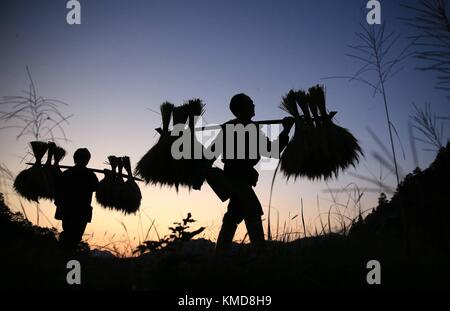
column 174, row 240
column 418, row 214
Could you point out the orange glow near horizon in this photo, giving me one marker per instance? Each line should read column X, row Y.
column 161, row 207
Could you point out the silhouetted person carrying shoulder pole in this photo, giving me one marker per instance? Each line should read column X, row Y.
column 240, row 176
column 74, row 189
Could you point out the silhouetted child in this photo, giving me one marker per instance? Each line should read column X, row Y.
column 74, row 189
column 240, row 176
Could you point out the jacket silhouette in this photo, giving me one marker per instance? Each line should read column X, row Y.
column 240, row 176
column 74, row 189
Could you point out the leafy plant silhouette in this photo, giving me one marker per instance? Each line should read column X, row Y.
column 431, row 131
column 179, row 235
column 379, row 63
column 38, row 116
column 432, row 38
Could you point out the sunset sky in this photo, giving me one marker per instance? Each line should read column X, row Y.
column 127, row 57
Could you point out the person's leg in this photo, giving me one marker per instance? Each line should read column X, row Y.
column 72, row 234
column 62, row 235
column 253, row 220
column 255, row 232
column 79, row 228
column 67, row 236
column 229, row 226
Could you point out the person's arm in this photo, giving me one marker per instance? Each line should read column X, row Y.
column 94, row 182
column 59, row 190
column 283, row 138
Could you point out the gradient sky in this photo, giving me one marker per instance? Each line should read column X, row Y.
column 127, row 57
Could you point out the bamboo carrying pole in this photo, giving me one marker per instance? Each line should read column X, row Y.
column 276, row 121
column 96, row 170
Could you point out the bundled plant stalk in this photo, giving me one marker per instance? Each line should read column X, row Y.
column 158, row 166
column 107, row 190
column 298, row 153
column 188, row 168
column 54, row 170
column 129, row 195
column 155, row 166
column 58, row 155
column 39, row 181
column 319, row 148
column 33, row 183
column 51, row 179
column 341, row 149
column 115, row 193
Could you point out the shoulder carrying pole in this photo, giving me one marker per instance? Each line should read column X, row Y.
column 276, row 121
column 95, row 170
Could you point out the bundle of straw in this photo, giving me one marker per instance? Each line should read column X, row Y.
column 51, row 147
column 108, row 188
column 129, row 195
column 187, row 168
column 180, row 114
column 174, row 174
column 158, row 166
column 58, row 155
column 341, row 147
column 32, row 183
column 115, row 193
column 300, row 152
column 54, row 170
column 319, row 148
column 291, row 160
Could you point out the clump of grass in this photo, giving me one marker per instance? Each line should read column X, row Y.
column 37, row 116
column 378, row 65
column 426, row 123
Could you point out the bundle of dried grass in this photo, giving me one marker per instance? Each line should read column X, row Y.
column 129, row 195
column 158, row 166
column 115, row 193
column 180, row 114
column 47, row 168
column 187, row 168
column 175, row 176
column 58, row 155
column 108, row 188
column 32, row 183
column 54, row 169
column 300, row 152
column 319, row 148
column 340, row 148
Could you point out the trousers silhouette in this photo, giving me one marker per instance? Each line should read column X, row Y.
column 243, row 206
column 72, row 233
